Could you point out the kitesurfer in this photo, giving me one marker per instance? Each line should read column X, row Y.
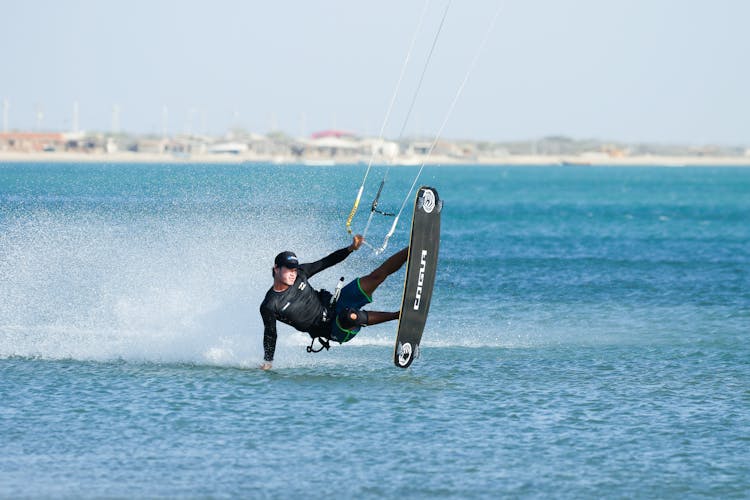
column 293, row 301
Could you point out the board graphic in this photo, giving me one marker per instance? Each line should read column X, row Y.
column 421, row 268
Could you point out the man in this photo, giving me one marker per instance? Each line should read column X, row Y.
column 293, row 301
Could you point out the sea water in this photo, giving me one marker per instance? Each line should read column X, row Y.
column 588, row 335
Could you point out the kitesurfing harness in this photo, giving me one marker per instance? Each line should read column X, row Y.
column 325, row 343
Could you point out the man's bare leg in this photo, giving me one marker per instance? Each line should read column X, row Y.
column 373, row 280
column 376, row 317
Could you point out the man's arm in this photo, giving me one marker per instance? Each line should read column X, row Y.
column 269, row 337
column 314, row 268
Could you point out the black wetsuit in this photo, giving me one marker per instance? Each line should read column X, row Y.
column 300, row 305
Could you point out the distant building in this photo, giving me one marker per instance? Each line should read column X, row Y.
column 338, row 134
column 379, row 148
column 331, row 146
column 28, row 142
column 441, row 148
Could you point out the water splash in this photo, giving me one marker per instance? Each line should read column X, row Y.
column 165, row 287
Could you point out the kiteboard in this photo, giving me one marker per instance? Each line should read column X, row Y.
column 420, row 275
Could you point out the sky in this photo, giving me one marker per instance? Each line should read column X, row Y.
column 664, row 71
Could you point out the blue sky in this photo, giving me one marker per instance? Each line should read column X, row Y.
column 631, row 70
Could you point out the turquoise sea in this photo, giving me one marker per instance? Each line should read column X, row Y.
column 588, row 336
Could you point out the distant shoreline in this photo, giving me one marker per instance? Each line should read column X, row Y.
column 509, row 160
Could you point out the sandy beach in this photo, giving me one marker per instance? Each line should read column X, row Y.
column 519, row 160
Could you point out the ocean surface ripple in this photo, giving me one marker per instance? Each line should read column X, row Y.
column 588, row 336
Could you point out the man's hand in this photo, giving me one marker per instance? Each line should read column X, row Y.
column 356, row 242
column 266, row 365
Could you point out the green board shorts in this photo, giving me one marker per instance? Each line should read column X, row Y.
column 352, row 296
